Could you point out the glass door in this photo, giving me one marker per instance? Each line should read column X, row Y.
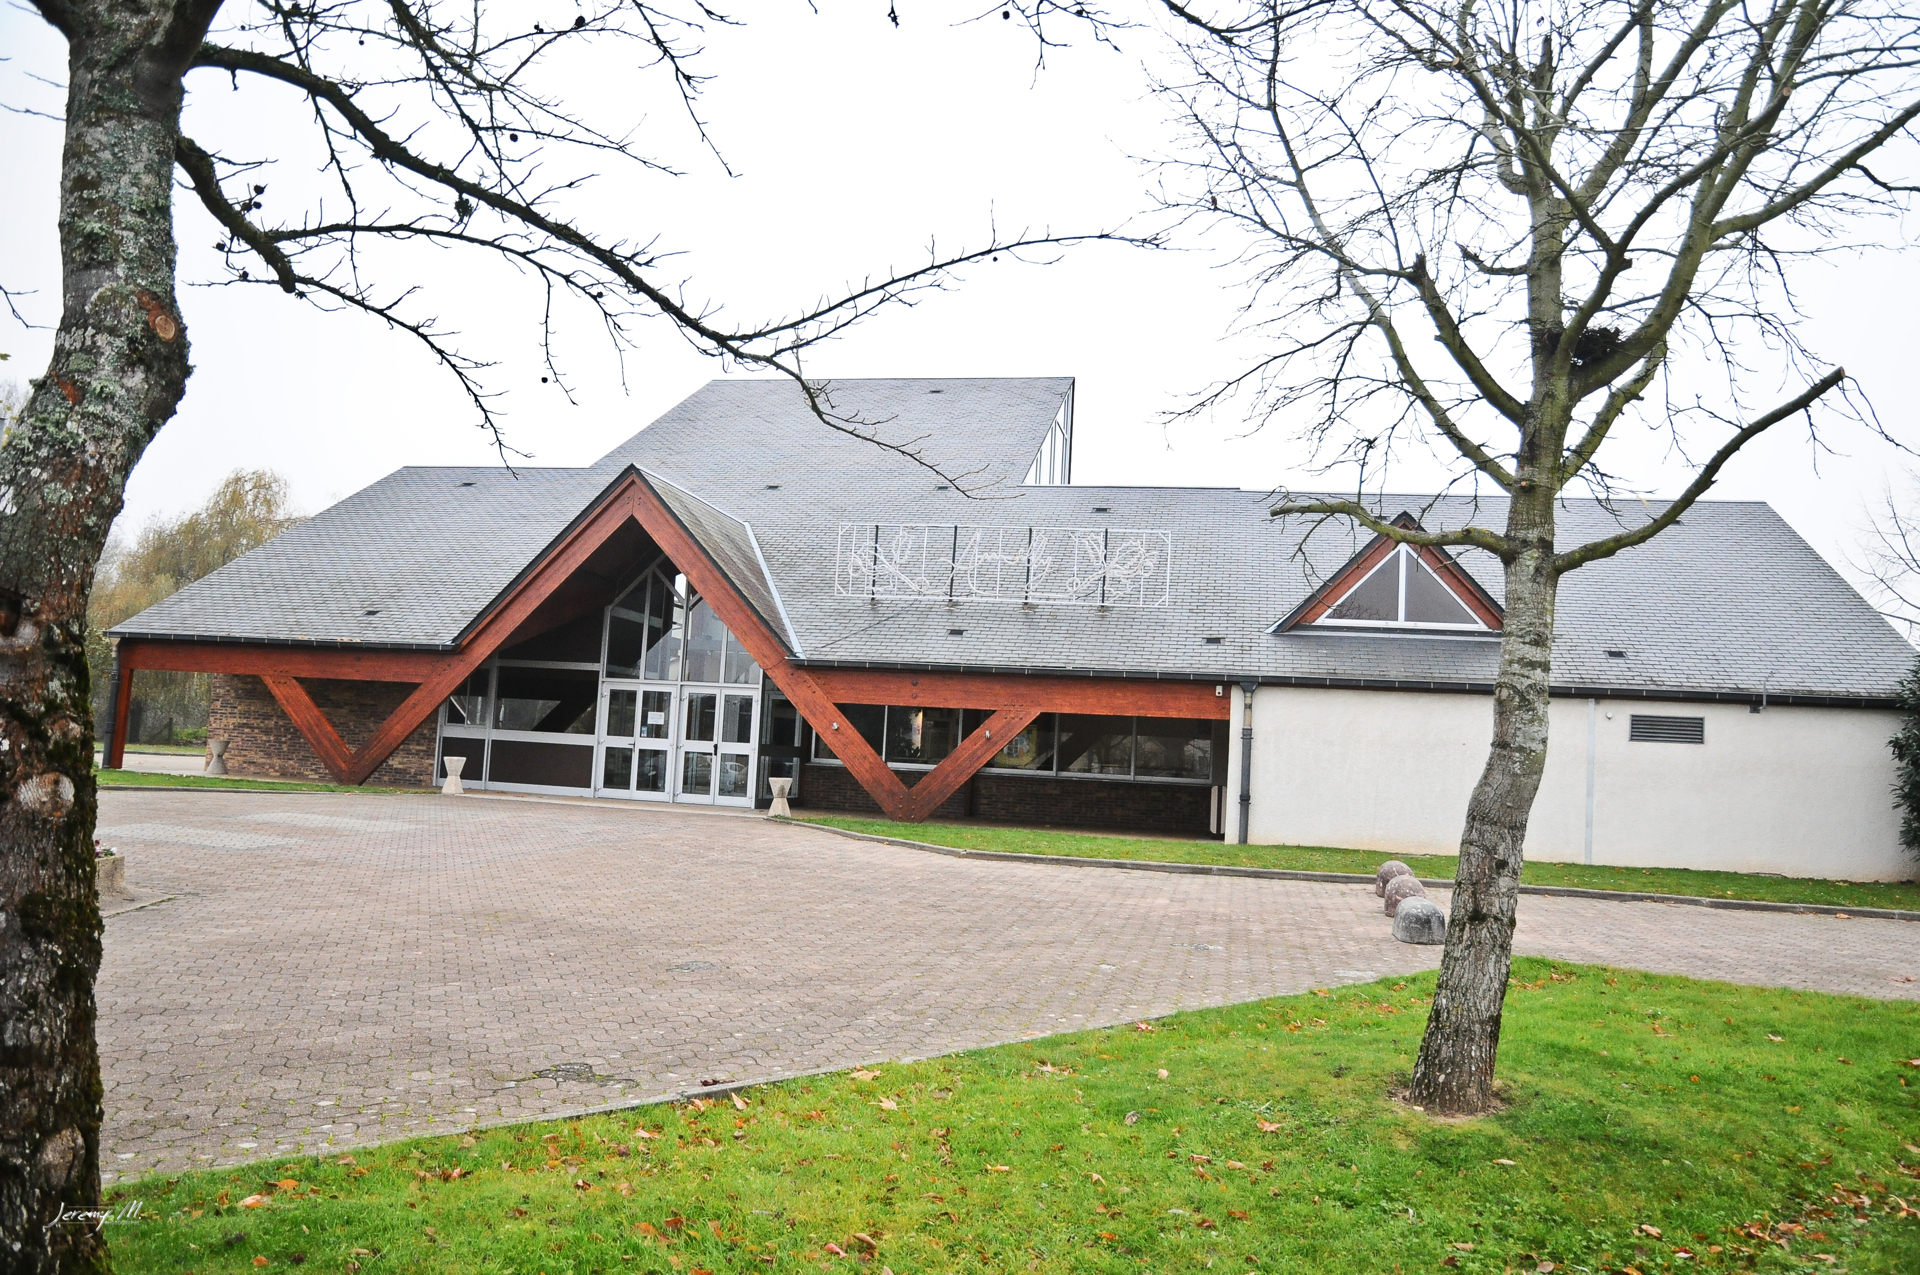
column 635, row 740
column 716, row 747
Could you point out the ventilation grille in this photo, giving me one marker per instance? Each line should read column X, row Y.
column 1668, row 730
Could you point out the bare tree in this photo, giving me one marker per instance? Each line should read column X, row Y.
column 1889, row 555
column 436, row 129
column 1505, row 232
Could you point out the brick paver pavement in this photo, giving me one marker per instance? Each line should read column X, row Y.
column 342, row 969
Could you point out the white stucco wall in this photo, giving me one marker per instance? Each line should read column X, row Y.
column 1797, row 791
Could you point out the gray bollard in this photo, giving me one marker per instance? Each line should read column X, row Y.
column 1388, row 871
column 216, row 757
column 1420, row 920
column 779, row 788
column 1403, row 888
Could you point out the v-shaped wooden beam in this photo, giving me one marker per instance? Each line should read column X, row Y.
column 960, row 765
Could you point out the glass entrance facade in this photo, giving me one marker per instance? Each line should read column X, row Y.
column 668, row 709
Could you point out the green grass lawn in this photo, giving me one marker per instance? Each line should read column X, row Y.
column 146, row 779
column 1655, row 1124
column 1724, row 885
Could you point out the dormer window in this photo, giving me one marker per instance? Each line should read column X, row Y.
column 1402, row 592
column 1398, row 586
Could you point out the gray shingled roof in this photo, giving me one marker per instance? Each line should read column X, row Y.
column 1730, row 601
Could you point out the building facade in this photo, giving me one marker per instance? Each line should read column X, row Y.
column 953, row 628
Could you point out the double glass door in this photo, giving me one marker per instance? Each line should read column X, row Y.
column 679, row 743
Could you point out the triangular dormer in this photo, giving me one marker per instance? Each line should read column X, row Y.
column 1392, row 586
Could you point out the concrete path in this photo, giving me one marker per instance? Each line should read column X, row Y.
column 337, row 969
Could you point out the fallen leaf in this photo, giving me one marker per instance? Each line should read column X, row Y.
column 642, row 1133
column 259, row 1261
column 1544, row 1267
column 1450, row 1261
column 649, row 1230
column 1235, row 1164
column 347, row 1160
column 836, row 1250
column 1463, row 1246
column 863, row 1074
column 1685, row 1254
column 253, row 1201
column 1269, row 1126
column 1133, row 1117
column 739, row 1102
column 360, row 1172
column 1847, row 1061
column 1143, row 1027
column 872, row 1245
column 888, row 1104
column 1163, row 1073
column 1238, row 1215
column 1775, row 1039
column 999, row 1168
column 1644, row 1229
column 1097, row 1178
column 1506, row 1162
column 287, row 1184
column 624, row 1188
column 1201, row 1159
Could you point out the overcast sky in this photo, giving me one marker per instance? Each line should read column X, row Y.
column 855, row 145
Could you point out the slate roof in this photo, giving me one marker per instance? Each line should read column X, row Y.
column 1729, row 602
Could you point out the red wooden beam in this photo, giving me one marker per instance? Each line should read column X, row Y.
column 1106, row 696
column 960, row 765
column 312, row 725
column 770, row 652
column 122, row 701
column 346, row 664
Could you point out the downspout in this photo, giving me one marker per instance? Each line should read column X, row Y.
column 1593, row 711
column 1246, row 756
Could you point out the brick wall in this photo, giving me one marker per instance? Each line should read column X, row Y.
column 1122, row 806
column 262, row 741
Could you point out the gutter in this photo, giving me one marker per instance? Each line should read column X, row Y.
column 1564, row 690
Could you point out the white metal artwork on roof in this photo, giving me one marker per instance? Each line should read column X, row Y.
column 1088, row 566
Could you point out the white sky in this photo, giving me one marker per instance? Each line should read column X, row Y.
column 856, row 144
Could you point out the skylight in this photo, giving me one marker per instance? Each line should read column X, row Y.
column 1402, row 592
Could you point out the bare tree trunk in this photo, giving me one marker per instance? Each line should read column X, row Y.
column 1454, row 1072
column 119, row 368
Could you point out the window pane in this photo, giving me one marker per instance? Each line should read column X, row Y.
column 1430, row 602
column 1174, row 748
column 556, row 701
column 783, row 726
column 741, row 670
column 652, row 776
column 921, row 734
column 736, row 720
column 626, row 640
column 1096, row 745
column 620, row 706
column 864, row 718
column 655, row 706
column 734, row 769
column 696, row 773
column 616, row 769
column 1376, row 598
column 1030, row 749
column 468, row 705
column 700, row 714
column 705, row 636
column 664, row 622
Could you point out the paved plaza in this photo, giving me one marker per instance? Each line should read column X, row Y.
column 339, row 969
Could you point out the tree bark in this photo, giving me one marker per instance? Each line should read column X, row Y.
column 1454, row 1072
column 118, row 370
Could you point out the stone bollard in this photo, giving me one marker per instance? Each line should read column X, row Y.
column 216, row 757
column 1402, row 888
column 1388, row 871
column 1420, row 920
column 110, row 876
column 454, row 765
column 779, row 809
